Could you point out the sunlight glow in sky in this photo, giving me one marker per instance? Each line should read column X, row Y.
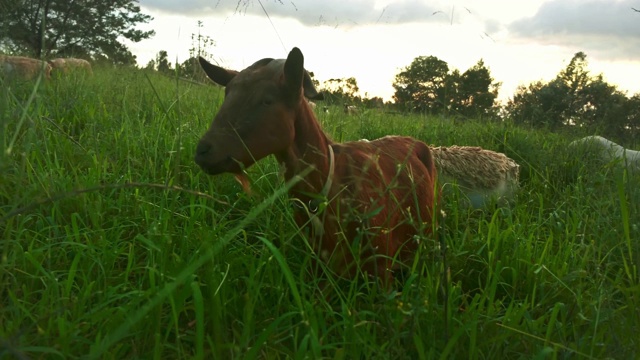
column 376, row 49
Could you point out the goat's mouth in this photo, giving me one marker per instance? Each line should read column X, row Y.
column 227, row 165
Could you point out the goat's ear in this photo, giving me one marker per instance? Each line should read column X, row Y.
column 294, row 73
column 219, row 75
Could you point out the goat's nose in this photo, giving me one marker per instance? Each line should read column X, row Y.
column 202, row 150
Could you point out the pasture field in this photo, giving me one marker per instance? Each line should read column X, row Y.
column 113, row 243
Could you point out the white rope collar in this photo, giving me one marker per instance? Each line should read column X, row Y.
column 321, row 200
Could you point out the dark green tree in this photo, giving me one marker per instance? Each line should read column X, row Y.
column 633, row 119
column 162, row 62
column 426, row 85
column 151, row 65
column 553, row 104
column 343, row 90
column 540, row 105
column 605, row 109
column 421, row 85
column 476, row 92
column 575, row 98
column 373, row 103
column 81, row 28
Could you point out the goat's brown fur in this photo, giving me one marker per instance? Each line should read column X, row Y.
column 380, row 198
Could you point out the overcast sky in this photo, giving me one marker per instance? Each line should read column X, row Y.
column 519, row 41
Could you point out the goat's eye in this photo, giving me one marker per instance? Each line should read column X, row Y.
column 267, row 101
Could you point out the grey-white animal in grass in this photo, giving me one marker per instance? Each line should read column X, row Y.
column 350, row 109
column 608, row 151
column 482, row 175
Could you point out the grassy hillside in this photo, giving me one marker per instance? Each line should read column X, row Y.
column 115, row 245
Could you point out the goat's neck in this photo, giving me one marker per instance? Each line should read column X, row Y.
column 310, row 148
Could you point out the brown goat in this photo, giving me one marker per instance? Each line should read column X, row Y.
column 20, row 67
column 365, row 205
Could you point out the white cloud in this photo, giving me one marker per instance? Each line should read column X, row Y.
column 372, row 40
column 608, row 29
column 311, row 12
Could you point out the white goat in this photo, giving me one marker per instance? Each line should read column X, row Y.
column 482, row 175
column 608, row 151
column 350, row 109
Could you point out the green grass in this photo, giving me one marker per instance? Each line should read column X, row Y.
column 115, row 245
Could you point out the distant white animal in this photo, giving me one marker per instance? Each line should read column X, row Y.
column 350, row 109
column 608, row 151
column 482, row 175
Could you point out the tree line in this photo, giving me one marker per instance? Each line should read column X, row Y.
column 576, row 98
column 427, row 85
column 573, row 99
